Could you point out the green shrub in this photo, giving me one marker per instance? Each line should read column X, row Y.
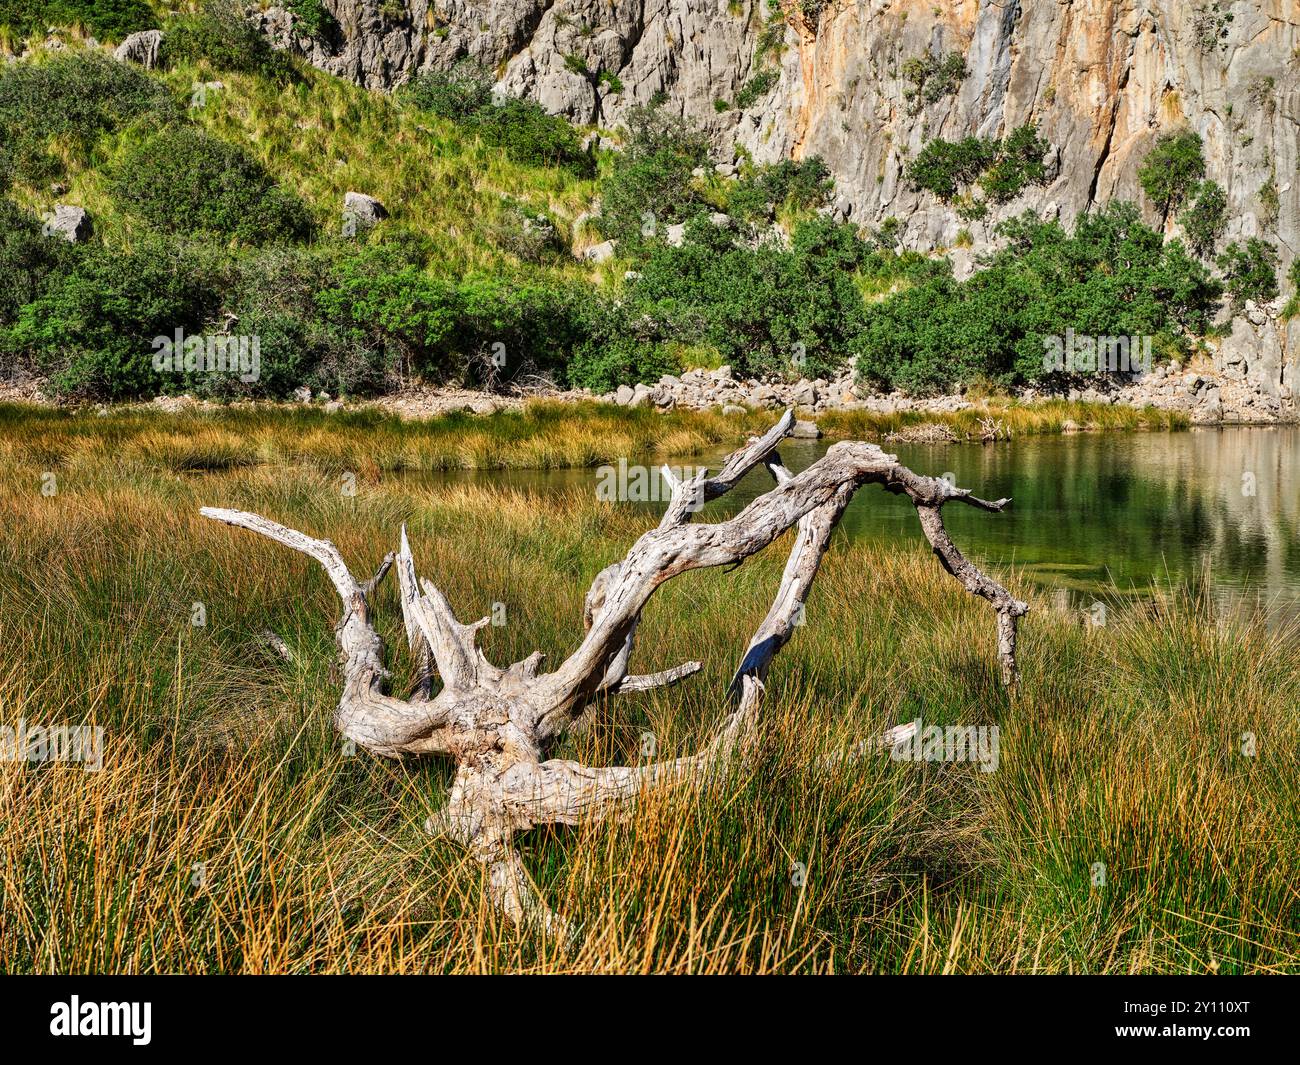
column 765, row 310
column 221, row 36
column 1113, row 276
column 185, row 181
column 931, row 78
column 801, row 186
column 76, row 98
column 28, row 259
column 1002, row 168
column 1205, row 218
column 943, row 166
column 617, row 346
column 314, row 18
column 1292, row 307
column 523, row 128
column 1172, row 169
column 651, row 178
column 92, row 329
column 107, row 19
column 758, row 86
column 1019, row 163
column 530, row 135
column 455, row 94
column 446, row 329
column 1249, row 271
column 529, row 235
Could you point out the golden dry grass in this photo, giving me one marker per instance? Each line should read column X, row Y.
column 230, row 831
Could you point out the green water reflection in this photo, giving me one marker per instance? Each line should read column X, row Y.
column 1092, row 514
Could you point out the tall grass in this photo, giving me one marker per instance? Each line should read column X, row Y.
column 322, row 137
column 544, row 434
column 231, row 831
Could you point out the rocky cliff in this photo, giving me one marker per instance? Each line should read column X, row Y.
column 1101, row 79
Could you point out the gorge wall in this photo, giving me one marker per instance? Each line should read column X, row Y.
column 1101, row 79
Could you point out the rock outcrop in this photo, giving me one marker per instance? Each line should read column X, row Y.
column 362, row 211
column 141, row 47
column 68, row 222
column 1100, row 79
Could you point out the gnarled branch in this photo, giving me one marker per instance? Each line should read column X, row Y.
column 497, row 723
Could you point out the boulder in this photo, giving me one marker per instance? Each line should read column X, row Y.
column 599, row 253
column 805, row 430
column 364, row 211
column 805, row 394
column 141, row 47
column 70, row 223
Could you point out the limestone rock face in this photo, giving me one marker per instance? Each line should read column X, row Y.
column 141, row 47
column 1100, row 78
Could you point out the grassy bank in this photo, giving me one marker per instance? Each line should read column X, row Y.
column 229, row 830
column 543, row 435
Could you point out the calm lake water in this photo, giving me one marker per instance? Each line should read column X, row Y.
column 1092, row 514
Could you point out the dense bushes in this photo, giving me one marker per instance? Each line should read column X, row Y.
column 945, row 166
column 763, row 309
column 795, row 185
column 1002, row 168
column 184, row 181
column 522, row 128
column 221, row 36
column 93, row 327
column 28, row 258
column 1249, row 271
column 1205, row 219
column 107, row 19
column 75, row 98
column 457, row 94
column 471, row 329
column 1172, row 169
column 649, row 185
column 1113, row 276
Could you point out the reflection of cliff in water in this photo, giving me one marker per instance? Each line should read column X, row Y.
column 1092, row 514
column 1124, row 510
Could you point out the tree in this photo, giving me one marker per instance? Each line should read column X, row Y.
column 1249, row 271
column 1204, row 219
column 496, row 723
column 1171, row 169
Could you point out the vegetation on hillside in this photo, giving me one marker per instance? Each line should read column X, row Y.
column 217, row 210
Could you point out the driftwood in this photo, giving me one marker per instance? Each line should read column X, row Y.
column 497, row 723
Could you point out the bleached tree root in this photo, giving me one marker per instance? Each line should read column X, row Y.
column 497, row 723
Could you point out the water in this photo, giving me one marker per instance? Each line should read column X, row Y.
column 1093, row 515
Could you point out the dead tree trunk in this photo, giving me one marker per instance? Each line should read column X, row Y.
column 496, row 724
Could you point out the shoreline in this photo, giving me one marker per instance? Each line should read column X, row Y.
column 1170, row 395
